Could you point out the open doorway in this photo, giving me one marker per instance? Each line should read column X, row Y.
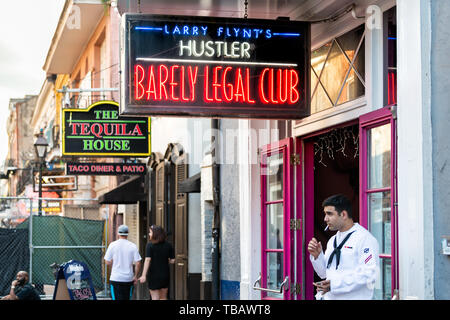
column 331, row 167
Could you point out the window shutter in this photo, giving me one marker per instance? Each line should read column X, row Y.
column 181, row 236
column 160, row 194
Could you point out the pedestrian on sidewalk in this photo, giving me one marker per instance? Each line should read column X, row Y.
column 350, row 263
column 21, row 289
column 158, row 255
column 122, row 255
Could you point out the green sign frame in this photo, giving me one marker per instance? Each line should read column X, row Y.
column 100, row 130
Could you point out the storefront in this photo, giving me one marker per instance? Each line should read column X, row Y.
column 346, row 146
column 178, row 66
column 356, row 141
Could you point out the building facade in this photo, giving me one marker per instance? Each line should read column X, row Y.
column 373, row 134
column 241, row 198
column 20, row 156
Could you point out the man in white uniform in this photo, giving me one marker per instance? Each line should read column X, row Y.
column 350, row 262
column 122, row 255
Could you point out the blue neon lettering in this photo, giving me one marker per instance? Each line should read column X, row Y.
column 286, row 34
column 225, row 32
column 195, row 31
column 148, row 28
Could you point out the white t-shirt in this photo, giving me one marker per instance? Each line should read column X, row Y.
column 357, row 272
column 124, row 254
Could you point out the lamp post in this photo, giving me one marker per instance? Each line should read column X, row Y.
column 40, row 147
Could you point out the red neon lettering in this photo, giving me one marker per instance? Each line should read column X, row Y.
column 271, row 85
column 247, row 76
column 206, row 95
column 392, row 88
column 192, row 81
column 221, row 84
column 162, row 82
column 173, row 84
column 261, row 86
column 239, row 93
column 216, row 85
column 183, row 98
column 282, row 84
column 151, row 88
column 227, row 97
column 294, row 96
column 139, row 74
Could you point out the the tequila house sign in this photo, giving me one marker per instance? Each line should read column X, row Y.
column 214, row 67
column 100, row 131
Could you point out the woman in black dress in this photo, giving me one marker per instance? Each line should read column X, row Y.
column 158, row 254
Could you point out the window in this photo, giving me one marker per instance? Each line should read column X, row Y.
column 274, row 223
column 378, row 194
column 84, row 98
column 391, row 56
column 276, row 212
column 338, row 71
column 379, row 202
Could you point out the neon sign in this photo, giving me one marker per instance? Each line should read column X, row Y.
column 100, row 131
column 214, row 67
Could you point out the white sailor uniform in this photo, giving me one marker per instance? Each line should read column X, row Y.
column 355, row 276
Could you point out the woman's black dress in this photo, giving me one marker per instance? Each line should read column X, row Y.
column 158, row 273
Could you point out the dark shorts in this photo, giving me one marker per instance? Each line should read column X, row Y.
column 121, row 290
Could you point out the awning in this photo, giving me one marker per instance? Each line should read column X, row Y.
column 190, row 185
column 128, row 192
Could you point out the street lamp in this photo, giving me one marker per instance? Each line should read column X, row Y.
column 40, row 147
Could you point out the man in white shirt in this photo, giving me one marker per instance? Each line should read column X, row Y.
column 350, row 263
column 122, row 255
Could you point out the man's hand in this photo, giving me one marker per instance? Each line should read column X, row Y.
column 322, row 286
column 314, row 248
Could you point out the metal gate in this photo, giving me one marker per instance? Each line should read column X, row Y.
column 64, row 229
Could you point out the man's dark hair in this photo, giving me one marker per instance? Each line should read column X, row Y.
column 340, row 203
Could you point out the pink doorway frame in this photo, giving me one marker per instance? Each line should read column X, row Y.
column 365, row 122
column 308, row 190
column 369, row 121
column 285, row 147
